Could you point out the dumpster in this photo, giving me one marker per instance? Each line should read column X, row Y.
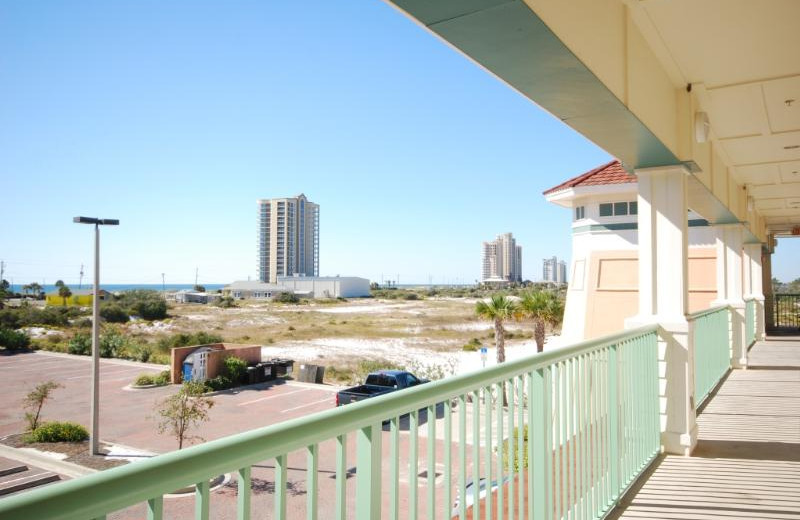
column 252, row 375
column 311, row 373
column 282, row 366
column 266, row 371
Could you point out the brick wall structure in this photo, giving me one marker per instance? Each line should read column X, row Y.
column 219, row 351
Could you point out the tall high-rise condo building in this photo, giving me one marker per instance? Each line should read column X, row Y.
column 502, row 260
column 554, row 270
column 288, row 238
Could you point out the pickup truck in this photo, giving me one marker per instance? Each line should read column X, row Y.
column 378, row 383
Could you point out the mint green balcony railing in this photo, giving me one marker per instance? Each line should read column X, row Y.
column 712, row 355
column 749, row 322
column 590, row 411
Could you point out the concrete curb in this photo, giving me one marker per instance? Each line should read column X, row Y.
column 27, row 456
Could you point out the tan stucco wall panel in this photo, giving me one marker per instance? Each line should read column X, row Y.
column 614, row 295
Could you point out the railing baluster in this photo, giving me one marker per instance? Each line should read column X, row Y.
column 513, row 453
column 201, row 493
column 243, row 494
column 394, row 468
column 520, row 449
column 368, row 472
column 571, row 434
column 613, row 408
column 476, row 452
column 487, row 461
column 462, row 455
column 312, row 484
column 580, row 468
column 448, row 459
column 558, row 434
column 536, row 453
column 155, row 508
column 341, row 477
column 280, row 486
column 503, row 447
column 413, row 463
column 432, row 461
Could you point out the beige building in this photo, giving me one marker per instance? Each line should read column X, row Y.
column 604, row 286
column 288, row 238
column 502, row 260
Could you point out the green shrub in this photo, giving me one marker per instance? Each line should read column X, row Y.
column 13, row 339
column 113, row 313
column 513, row 449
column 235, row 369
column 160, row 379
column 218, row 383
column 160, row 359
column 163, row 378
column 287, row 297
column 80, row 344
column 411, row 296
column 144, row 380
column 112, row 344
column 225, row 302
column 59, row 432
column 166, row 343
column 472, row 345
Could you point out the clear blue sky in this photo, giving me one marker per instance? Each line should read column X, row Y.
column 174, row 117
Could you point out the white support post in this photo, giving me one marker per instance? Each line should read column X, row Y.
column 729, row 287
column 663, row 297
column 756, row 288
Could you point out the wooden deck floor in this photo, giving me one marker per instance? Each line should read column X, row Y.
column 747, row 462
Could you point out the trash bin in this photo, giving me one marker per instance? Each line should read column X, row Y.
column 282, row 366
column 252, row 375
column 302, row 375
column 319, row 375
column 266, row 371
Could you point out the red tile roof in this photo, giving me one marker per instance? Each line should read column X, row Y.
column 610, row 173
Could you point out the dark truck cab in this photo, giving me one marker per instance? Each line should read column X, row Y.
column 378, row 383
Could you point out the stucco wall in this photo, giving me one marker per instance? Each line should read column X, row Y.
column 612, row 293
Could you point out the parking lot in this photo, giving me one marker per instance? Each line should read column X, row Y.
column 127, row 416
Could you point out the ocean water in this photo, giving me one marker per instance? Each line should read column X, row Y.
column 120, row 287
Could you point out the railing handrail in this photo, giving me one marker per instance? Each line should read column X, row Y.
column 706, row 312
column 124, row 486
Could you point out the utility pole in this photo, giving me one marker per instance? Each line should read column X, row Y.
column 80, row 281
column 196, row 271
column 163, row 285
column 2, row 269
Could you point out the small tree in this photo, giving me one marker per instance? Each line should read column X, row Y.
column 64, row 292
column 544, row 308
column 183, row 411
column 35, row 400
column 498, row 309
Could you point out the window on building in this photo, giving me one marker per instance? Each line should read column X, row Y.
column 618, row 209
column 580, row 212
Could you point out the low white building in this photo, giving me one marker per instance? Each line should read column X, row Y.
column 245, row 289
column 302, row 286
column 327, row 286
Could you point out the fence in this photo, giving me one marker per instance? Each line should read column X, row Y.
column 562, row 433
column 712, row 356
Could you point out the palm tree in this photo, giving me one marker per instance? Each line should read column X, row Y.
column 35, row 288
column 544, row 308
column 64, row 292
column 25, row 289
column 498, row 308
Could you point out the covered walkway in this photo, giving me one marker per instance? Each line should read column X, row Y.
column 747, row 460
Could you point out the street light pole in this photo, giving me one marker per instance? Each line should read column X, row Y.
column 94, row 435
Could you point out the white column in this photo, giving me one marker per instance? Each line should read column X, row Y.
column 663, row 297
column 753, row 254
column 729, row 287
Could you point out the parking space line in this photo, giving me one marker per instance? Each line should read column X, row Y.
column 327, row 400
column 270, row 397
